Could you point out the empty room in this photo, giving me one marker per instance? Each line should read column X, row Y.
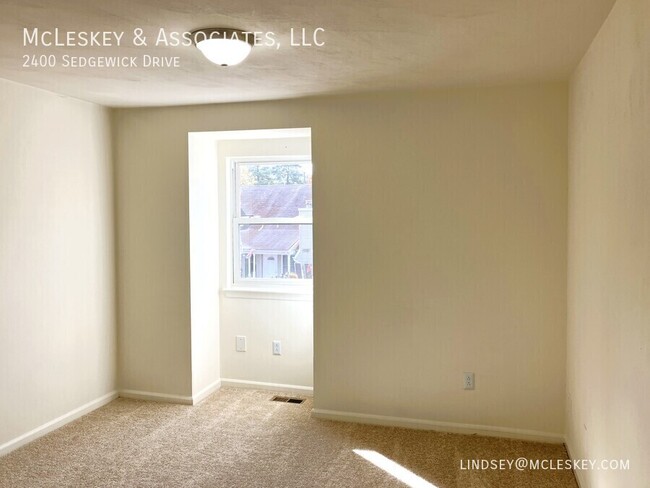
column 373, row 243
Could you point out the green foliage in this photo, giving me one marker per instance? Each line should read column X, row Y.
column 275, row 174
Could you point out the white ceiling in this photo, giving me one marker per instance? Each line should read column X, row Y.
column 370, row 45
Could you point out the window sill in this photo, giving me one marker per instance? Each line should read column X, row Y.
column 269, row 293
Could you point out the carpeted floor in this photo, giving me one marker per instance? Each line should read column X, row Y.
column 238, row 438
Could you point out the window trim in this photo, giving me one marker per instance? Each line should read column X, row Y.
column 261, row 287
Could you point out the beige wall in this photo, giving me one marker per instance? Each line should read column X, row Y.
column 57, row 320
column 608, row 387
column 263, row 320
column 440, row 244
column 154, row 340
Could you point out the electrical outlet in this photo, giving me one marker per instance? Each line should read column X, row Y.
column 240, row 343
column 468, row 381
column 277, row 348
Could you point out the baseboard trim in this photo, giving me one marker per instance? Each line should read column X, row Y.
column 577, row 474
column 410, row 423
column 206, row 392
column 260, row 385
column 48, row 427
column 156, row 397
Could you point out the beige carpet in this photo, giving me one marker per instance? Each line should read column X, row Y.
column 238, row 438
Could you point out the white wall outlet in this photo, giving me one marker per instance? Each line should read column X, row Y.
column 277, row 348
column 468, row 381
column 240, row 343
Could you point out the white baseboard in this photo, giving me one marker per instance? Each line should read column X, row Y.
column 409, row 423
column 206, row 392
column 259, row 385
column 169, row 398
column 48, row 427
column 156, row 397
column 578, row 474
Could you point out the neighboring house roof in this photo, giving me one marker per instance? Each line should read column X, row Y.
column 269, row 239
column 272, row 201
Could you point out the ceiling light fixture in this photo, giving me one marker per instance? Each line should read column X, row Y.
column 222, row 45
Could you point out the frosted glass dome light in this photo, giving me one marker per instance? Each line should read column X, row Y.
column 223, row 46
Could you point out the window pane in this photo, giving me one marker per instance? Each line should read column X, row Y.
column 274, row 189
column 273, row 251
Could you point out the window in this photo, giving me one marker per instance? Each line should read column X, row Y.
column 272, row 221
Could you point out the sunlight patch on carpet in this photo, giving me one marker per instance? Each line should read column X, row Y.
column 396, row 470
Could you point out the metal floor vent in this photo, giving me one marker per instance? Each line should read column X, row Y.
column 284, row 399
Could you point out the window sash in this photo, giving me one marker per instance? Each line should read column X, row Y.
column 252, row 161
column 237, row 220
column 237, row 253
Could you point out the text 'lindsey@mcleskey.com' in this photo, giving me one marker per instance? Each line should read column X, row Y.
column 524, row 464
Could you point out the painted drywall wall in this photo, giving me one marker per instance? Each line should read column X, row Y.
column 608, row 369
column 204, row 265
column 440, row 241
column 263, row 320
column 57, row 305
column 153, row 260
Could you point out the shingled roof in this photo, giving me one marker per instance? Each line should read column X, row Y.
column 269, row 239
column 272, row 201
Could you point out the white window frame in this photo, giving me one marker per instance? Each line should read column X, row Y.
column 271, row 285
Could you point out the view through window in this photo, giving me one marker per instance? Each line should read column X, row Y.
column 272, row 221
